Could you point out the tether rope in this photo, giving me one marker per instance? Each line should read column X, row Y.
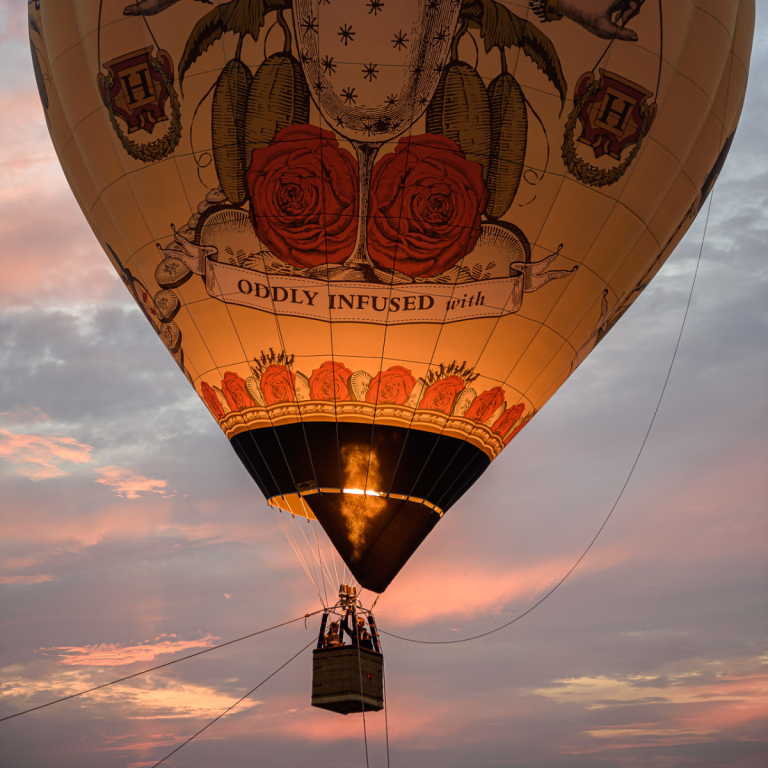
column 384, row 691
column 623, row 488
column 356, row 630
column 159, row 666
column 229, row 709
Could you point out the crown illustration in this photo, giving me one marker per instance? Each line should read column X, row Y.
column 454, row 369
column 264, row 360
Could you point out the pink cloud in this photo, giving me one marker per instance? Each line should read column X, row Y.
column 436, row 590
column 149, row 741
column 19, row 563
column 31, row 415
column 40, row 457
column 415, row 720
column 37, row 578
column 690, row 710
column 62, row 262
column 108, row 521
column 130, row 485
column 148, row 699
column 115, row 655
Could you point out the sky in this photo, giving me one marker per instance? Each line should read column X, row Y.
column 130, row 534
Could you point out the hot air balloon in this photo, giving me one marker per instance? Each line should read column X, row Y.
column 378, row 237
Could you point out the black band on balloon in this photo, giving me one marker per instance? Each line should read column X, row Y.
column 376, row 526
column 310, row 448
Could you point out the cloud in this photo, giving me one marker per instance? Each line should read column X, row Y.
column 635, row 663
column 40, row 457
column 690, row 706
column 130, row 485
column 31, row 415
column 435, row 590
column 180, row 700
column 115, row 655
column 37, row 578
column 153, row 697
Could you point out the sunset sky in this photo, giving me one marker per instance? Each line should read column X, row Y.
column 130, row 534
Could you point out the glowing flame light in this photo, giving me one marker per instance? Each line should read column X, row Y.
column 361, row 492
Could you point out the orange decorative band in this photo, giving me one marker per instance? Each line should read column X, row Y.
column 445, row 401
column 479, row 435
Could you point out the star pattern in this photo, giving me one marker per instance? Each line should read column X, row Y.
column 346, row 34
column 400, row 40
column 328, row 66
column 309, row 24
column 441, row 36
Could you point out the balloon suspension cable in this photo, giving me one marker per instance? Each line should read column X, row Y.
column 313, row 560
column 297, row 551
column 321, row 561
column 315, row 553
column 160, row 666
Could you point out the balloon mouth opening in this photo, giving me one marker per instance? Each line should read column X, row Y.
column 374, row 533
column 298, row 505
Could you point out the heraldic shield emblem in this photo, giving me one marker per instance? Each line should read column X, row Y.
column 135, row 89
column 612, row 117
column 615, row 115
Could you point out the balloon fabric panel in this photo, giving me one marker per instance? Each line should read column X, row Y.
column 378, row 237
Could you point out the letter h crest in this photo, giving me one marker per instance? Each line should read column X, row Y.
column 135, row 89
column 612, row 114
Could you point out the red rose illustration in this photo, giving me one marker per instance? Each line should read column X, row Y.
column 211, row 400
column 278, row 385
column 441, row 395
column 330, row 382
column 425, row 206
column 235, row 391
column 485, row 405
column 392, row 386
column 507, row 419
column 304, row 200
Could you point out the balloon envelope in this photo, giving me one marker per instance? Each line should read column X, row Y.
column 377, row 238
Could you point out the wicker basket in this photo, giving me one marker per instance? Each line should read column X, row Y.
column 336, row 677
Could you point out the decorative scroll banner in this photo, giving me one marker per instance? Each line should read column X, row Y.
column 361, row 301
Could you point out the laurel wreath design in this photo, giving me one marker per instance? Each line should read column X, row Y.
column 583, row 171
column 155, row 150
